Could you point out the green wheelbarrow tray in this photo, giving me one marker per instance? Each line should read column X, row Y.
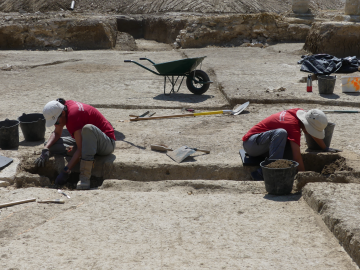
column 179, row 67
column 197, row 81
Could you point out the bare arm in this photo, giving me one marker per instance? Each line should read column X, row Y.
column 297, row 155
column 55, row 136
column 77, row 155
column 320, row 142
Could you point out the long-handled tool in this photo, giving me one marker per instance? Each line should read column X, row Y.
column 142, row 115
column 183, row 152
column 340, row 111
column 237, row 110
column 16, row 202
column 52, row 201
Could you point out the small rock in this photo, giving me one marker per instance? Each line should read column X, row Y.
column 273, row 90
column 7, row 67
column 4, row 183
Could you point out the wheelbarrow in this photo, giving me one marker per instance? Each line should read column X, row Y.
column 197, row 81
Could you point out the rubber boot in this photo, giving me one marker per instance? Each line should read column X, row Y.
column 85, row 174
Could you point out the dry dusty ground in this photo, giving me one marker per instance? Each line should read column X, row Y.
column 166, row 225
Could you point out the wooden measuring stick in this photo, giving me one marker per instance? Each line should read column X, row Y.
column 16, row 202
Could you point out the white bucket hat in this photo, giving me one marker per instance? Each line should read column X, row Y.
column 52, row 111
column 315, row 121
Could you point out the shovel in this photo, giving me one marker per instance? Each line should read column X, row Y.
column 237, row 110
column 183, row 152
column 340, row 111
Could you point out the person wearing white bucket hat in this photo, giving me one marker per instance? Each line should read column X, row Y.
column 91, row 134
column 315, row 122
column 273, row 134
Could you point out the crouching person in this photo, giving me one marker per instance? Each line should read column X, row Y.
column 272, row 134
column 90, row 132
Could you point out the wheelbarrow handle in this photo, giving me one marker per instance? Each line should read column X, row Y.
column 144, row 58
column 127, row 61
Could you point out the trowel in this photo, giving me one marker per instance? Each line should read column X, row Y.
column 183, row 152
column 160, row 147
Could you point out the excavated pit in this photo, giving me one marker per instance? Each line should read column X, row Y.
column 321, row 167
column 324, row 168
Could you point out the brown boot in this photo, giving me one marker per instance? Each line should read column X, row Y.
column 85, row 174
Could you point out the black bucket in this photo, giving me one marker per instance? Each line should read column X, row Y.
column 326, row 84
column 33, row 126
column 278, row 181
column 327, row 140
column 9, row 134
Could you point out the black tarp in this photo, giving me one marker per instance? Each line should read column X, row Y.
column 325, row 64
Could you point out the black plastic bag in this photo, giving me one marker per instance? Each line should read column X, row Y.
column 325, row 64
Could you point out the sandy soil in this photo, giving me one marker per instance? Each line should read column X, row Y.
column 166, row 225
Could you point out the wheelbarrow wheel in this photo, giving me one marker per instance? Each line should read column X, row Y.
column 198, row 88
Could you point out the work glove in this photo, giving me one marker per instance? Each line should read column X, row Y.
column 40, row 161
column 62, row 178
column 332, row 150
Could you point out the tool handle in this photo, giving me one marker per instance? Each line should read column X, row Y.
column 51, row 201
column 208, row 113
column 329, row 111
column 178, row 115
column 17, row 202
column 160, row 148
column 160, row 117
column 201, row 150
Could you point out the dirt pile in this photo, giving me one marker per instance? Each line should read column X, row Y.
column 337, row 166
column 163, row 6
column 85, row 33
column 280, row 164
column 335, row 38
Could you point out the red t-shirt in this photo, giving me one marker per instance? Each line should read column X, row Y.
column 286, row 119
column 80, row 114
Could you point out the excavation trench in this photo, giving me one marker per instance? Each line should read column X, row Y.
column 320, row 168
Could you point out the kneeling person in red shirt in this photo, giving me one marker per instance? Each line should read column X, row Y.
column 90, row 134
column 272, row 134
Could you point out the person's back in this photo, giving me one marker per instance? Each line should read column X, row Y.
column 80, row 114
column 274, row 132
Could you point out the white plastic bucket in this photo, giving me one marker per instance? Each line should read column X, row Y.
column 350, row 84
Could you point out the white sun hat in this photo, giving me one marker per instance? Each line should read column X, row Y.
column 315, row 121
column 52, row 111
